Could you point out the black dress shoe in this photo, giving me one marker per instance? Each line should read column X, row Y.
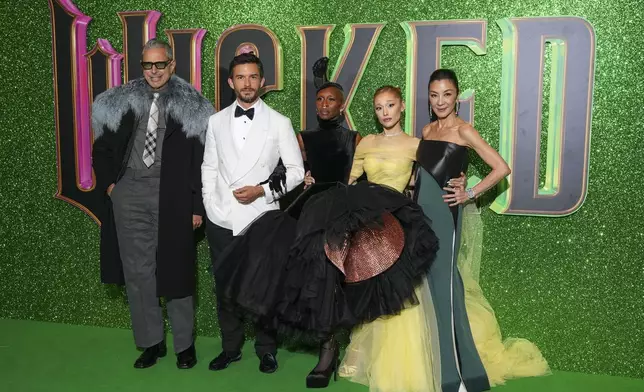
column 150, row 356
column 268, row 363
column 187, row 358
column 223, row 360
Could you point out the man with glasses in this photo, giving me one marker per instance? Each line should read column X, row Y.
column 147, row 154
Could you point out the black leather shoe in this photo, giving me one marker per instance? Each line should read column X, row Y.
column 187, row 358
column 223, row 360
column 268, row 363
column 150, row 356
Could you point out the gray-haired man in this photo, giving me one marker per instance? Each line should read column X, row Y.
column 148, row 149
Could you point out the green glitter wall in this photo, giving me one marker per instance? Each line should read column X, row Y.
column 573, row 285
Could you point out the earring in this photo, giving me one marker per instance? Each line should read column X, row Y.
column 458, row 106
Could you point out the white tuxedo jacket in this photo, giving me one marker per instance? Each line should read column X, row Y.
column 225, row 169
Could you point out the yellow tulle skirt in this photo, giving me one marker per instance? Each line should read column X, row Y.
column 502, row 359
column 401, row 353
column 397, row 353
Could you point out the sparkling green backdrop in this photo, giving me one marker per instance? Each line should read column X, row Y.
column 572, row 285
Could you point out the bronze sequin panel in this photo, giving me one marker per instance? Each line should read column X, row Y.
column 370, row 251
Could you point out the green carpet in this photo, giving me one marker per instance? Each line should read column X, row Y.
column 38, row 356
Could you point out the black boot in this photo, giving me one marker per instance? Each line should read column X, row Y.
column 327, row 365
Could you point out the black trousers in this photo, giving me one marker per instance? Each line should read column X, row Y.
column 230, row 324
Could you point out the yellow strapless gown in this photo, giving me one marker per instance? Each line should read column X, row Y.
column 395, row 353
column 401, row 353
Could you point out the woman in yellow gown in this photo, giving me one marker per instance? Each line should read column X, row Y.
column 401, row 352
column 416, row 350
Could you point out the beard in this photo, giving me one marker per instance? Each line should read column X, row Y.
column 246, row 98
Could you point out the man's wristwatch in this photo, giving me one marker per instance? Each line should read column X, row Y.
column 470, row 193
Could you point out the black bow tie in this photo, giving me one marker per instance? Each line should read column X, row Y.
column 250, row 113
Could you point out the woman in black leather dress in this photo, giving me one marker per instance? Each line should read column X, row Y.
column 471, row 350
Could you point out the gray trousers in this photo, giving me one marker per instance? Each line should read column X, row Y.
column 136, row 211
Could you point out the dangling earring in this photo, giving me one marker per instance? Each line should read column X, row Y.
column 458, row 106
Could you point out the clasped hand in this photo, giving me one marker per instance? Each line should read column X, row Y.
column 248, row 194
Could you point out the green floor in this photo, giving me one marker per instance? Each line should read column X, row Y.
column 37, row 356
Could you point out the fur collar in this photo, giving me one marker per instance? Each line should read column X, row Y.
column 183, row 103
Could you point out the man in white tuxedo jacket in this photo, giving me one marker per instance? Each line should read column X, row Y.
column 244, row 143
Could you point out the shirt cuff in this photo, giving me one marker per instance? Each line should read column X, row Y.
column 268, row 194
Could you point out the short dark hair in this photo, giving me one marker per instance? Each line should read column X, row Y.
column 331, row 85
column 246, row 58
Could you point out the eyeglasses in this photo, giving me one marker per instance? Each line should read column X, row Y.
column 158, row 64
